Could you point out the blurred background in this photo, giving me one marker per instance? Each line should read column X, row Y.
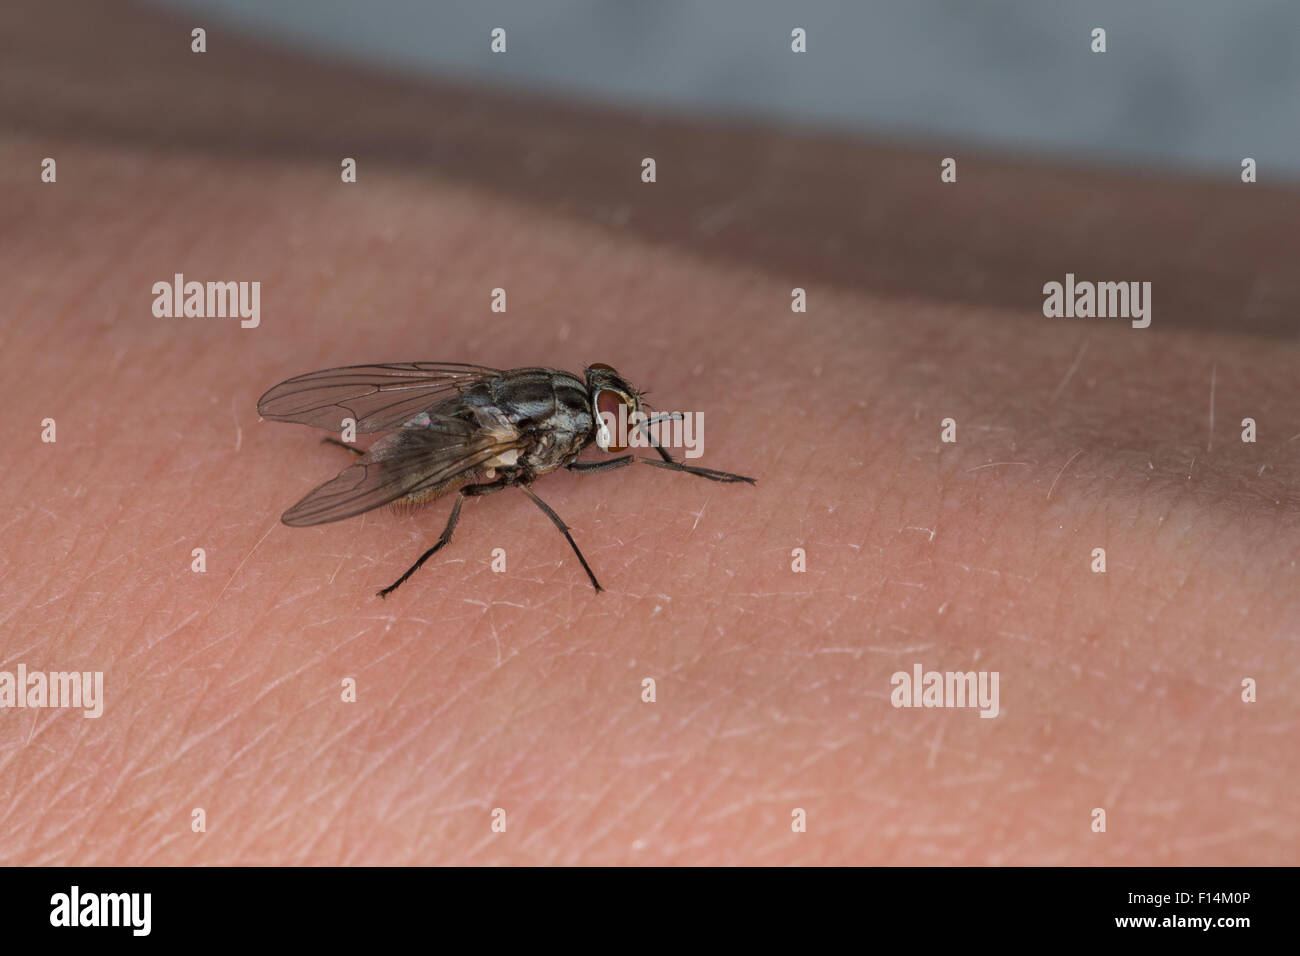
column 1189, row 84
column 821, row 167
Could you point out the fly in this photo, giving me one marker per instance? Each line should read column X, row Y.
column 463, row 428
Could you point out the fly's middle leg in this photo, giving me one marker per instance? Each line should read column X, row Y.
column 564, row 530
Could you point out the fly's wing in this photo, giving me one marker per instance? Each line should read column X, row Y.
column 377, row 397
column 412, row 461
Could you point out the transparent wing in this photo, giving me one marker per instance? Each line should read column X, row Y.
column 410, row 462
column 378, row 397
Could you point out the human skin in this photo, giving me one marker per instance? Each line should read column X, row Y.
column 523, row 690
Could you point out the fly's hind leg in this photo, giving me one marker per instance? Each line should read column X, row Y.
column 344, row 445
column 443, row 541
column 469, row 491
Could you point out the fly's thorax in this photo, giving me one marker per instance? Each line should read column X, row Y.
column 549, row 409
column 538, row 397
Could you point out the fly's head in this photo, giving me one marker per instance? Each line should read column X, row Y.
column 617, row 406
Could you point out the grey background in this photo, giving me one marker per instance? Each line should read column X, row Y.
column 1196, row 84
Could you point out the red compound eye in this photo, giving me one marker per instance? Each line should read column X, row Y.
column 608, row 404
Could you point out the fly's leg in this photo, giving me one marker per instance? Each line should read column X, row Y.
column 442, row 542
column 587, row 467
column 724, row 476
column 564, row 529
column 663, row 453
column 470, row 491
column 344, row 445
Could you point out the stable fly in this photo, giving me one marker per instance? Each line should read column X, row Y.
column 464, row 428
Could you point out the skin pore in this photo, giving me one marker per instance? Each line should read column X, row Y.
column 523, row 690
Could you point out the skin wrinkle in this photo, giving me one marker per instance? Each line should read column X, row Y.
column 588, row 807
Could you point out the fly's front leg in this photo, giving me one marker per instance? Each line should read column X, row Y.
column 663, row 452
column 643, row 428
column 724, row 476
column 470, row 491
column 587, row 467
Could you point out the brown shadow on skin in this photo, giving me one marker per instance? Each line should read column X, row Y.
column 819, row 209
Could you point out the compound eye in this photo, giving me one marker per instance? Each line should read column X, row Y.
column 611, row 433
